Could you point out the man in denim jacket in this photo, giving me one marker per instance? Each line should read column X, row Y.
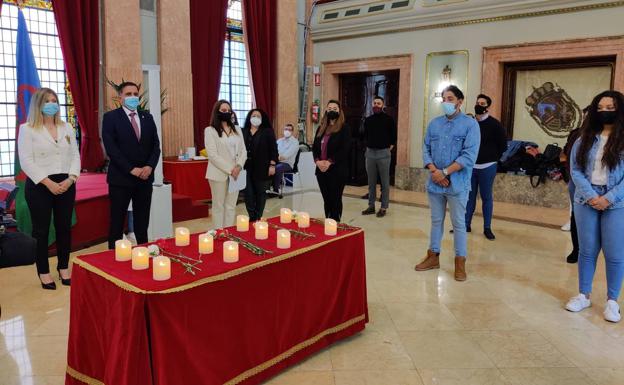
column 449, row 153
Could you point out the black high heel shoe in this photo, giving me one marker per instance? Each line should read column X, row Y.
column 47, row 286
column 65, row 282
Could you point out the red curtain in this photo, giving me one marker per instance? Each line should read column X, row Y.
column 77, row 22
column 261, row 32
column 208, row 27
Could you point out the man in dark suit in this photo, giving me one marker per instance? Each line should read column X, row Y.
column 132, row 145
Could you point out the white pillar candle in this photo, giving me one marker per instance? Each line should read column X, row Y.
column 283, row 239
column 182, row 236
column 285, row 215
column 230, row 252
column 140, row 258
column 331, row 227
column 242, row 223
column 206, row 244
column 303, row 220
column 162, row 268
column 123, row 250
column 262, row 230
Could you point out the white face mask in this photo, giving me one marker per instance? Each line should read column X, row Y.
column 255, row 121
column 287, row 133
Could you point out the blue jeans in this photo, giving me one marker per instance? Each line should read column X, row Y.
column 280, row 169
column 600, row 230
column 482, row 181
column 457, row 207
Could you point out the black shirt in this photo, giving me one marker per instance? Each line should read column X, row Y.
column 493, row 141
column 380, row 131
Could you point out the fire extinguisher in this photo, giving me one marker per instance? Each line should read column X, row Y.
column 314, row 110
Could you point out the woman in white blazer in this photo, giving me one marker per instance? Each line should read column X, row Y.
column 48, row 155
column 226, row 157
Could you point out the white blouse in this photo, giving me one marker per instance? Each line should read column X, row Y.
column 41, row 155
column 600, row 176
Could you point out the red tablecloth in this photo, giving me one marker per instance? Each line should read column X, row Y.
column 231, row 323
column 187, row 177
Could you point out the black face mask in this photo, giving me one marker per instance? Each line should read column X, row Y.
column 607, row 117
column 225, row 116
column 480, row 110
column 332, row 115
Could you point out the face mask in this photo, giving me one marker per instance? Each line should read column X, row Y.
column 480, row 110
column 131, row 102
column 449, row 108
column 333, row 115
column 607, row 117
column 224, row 116
column 50, row 109
column 255, row 121
column 287, row 133
column 377, row 110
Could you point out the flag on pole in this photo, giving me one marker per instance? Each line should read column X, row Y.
column 27, row 84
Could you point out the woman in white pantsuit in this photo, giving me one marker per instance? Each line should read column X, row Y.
column 226, row 157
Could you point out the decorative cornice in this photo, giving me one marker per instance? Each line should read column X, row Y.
column 547, row 12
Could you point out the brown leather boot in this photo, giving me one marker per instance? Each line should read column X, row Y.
column 432, row 261
column 460, row 268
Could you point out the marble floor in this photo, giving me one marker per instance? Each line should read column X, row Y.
column 505, row 325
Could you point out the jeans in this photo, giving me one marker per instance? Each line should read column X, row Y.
column 378, row 164
column 457, row 206
column 600, row 230
column 280, row 169
column 482, row 181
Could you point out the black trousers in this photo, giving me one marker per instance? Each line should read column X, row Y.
column 255, row 196
column 332, row 184
column 120, row 197
column 42, row 204
column 573, row 233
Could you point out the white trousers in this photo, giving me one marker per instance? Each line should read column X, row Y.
column 223, row 204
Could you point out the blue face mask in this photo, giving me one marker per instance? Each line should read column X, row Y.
column 50, row 109
column 449, row 108
column 131, row 102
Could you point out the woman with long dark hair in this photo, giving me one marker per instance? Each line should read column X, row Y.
column 226, row 157
column 261, row 160
column 597, row 168
column 331, row 154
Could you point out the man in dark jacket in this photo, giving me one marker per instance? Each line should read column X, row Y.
column 132, row 145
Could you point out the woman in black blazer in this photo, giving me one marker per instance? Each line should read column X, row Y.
column 331, row 154
column 261, row 160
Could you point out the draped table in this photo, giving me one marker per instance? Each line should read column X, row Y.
column 187, row 177
column 230, row 323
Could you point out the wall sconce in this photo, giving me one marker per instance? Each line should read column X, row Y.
column 445, row 81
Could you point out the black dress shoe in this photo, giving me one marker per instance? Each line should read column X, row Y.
column 65, row 282
column 381, row 213
column 489, row 234
column 573, row 257
column 369, row 211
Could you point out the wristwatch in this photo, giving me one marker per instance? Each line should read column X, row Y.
column 445, row 171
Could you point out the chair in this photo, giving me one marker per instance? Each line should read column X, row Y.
column 294, row 172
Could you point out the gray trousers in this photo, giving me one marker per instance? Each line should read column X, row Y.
column 378, row 164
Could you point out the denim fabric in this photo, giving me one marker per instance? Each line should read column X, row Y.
column 457, row 207
column 482, row 181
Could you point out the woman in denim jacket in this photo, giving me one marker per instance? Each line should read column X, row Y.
column 597, row 168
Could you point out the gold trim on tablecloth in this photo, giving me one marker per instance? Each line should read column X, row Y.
column 220, row 277
column 82, row 377
column 309, row 342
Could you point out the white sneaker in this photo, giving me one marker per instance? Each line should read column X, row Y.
column 612, row 311
column 578, row 303
column 132, row 239
column 566, row 227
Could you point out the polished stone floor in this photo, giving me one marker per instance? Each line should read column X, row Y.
column 505, row 325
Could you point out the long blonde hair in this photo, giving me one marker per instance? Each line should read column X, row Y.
column 35, row 116
column 325, row 127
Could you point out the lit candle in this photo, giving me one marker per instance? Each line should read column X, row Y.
column 331, row 227
column 303, row 220
column 182, row 236
column 206, row 244
column 230, row 252
column 283, row 239
column 262, row 230
column 242, row 223
column 285, row 215
column 140, row 258
column 162, row 268
column 123, row 250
